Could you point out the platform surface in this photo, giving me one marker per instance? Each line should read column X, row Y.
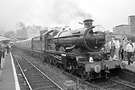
column 8, row 77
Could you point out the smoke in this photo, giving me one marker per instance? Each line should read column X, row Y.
column 64, row 12
column 54, row 12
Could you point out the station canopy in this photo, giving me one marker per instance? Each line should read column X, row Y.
column 4, row 39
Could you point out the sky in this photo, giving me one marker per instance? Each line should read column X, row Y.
column 107, row 13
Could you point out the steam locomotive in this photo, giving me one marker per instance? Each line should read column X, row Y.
column 77, row 51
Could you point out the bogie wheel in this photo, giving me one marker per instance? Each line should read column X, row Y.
column 48, row 59
column 83, row 74
column 54, row 61
column 71, row 69
column 45, row 59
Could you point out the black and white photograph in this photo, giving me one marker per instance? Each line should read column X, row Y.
column 67, row 44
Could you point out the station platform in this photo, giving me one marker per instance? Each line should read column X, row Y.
column 8, row 76
column 130, row 67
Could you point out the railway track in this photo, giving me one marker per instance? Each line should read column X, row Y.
column 114, row 85
column 35, row 79
column 111, row 84
column 126, row 83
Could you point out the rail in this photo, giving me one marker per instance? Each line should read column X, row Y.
column 34, row 77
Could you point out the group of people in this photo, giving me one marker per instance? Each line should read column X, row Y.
column 120, row 49
column 4, row 50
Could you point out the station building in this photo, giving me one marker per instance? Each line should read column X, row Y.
column 131, row 21
column 121, row 29
column 126, row 28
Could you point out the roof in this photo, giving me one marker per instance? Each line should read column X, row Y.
column 4, row 38
column 121, row 25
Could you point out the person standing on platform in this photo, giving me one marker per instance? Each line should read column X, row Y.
column 121, row 50
column 112, row 51
column 117, row 47
column 1, row 54
column 8, row 49
column 129, row 50
column 125, row 42
column 3, row 51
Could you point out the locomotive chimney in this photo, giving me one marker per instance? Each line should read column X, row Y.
column 88, row 23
